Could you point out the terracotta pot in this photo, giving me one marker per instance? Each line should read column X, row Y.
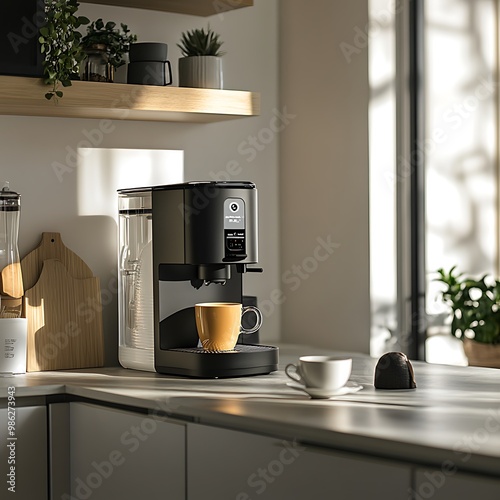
column 480, row 354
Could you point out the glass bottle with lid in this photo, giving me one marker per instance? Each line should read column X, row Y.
column 11, row 281
column 96, row 66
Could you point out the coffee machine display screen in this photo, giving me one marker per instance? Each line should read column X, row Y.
column 234, row 228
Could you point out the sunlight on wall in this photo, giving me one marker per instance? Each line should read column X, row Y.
column 101, row 172
column 382, row 123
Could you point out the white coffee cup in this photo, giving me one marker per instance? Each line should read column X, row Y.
column 321, row 372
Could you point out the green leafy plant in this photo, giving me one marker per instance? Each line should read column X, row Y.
column 117, row 40
column 199, row 42
column 60, row 44
column 475, row 305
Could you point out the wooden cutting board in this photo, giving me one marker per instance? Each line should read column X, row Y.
column 64, row 320
column 11, row 281
column 52, row 247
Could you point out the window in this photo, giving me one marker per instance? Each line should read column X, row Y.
column 456, row 148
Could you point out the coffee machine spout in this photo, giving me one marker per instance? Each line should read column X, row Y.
column 214, row 273
column 243, row 268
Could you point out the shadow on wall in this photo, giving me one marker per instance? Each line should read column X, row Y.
column 100, row 173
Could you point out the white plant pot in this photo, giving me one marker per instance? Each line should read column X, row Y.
column 200, row 71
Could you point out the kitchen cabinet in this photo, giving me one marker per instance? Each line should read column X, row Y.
column 23, row 461
column 243, row 466
column 121, row 454
column 194, row 7
column 234, row 438
column 446, row 484
column 59, row 453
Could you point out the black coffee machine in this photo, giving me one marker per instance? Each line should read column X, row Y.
column 183, row 244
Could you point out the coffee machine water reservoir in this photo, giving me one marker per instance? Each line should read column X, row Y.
column 180, row 245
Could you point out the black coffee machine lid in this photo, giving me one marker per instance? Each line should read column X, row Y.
column 195, row 185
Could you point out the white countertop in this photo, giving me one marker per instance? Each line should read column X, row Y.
column 454, row 414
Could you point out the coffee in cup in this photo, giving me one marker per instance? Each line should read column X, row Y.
column 219, row 324
column 321, row 372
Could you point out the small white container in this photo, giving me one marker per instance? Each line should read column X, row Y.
column 13, row 337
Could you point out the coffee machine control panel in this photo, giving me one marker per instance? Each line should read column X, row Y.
column 234, row 229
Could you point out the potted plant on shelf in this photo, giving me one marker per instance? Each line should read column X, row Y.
column 105, row 47
column 201, row 64
column 60, row 45
column 475, row 306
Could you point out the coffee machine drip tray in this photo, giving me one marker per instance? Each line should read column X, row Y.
column 243, row 360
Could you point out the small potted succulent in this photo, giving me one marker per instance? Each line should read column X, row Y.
column 105, row 46
column 201, row 64
column 475, row 307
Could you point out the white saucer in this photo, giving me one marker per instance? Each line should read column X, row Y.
column 351, row 388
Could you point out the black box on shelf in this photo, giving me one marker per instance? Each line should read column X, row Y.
column 20, row 23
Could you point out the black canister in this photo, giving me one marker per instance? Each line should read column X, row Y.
column 148, row 63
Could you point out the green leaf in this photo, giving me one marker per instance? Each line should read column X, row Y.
column 197, row 42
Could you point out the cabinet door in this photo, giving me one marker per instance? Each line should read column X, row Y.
column 23, row 461
column 444, row 484
column 224, row 464
column 120, row 454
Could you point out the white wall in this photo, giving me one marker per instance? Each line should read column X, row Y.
column 324, row 174
column 30, row 146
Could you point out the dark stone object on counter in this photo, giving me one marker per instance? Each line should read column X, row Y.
column 394, row 371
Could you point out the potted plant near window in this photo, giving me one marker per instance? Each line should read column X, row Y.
column 475, row 306
column 201, row 65
column 105, row 47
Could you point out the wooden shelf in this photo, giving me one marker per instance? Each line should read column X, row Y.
column 194, row 7
column 25, row 96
